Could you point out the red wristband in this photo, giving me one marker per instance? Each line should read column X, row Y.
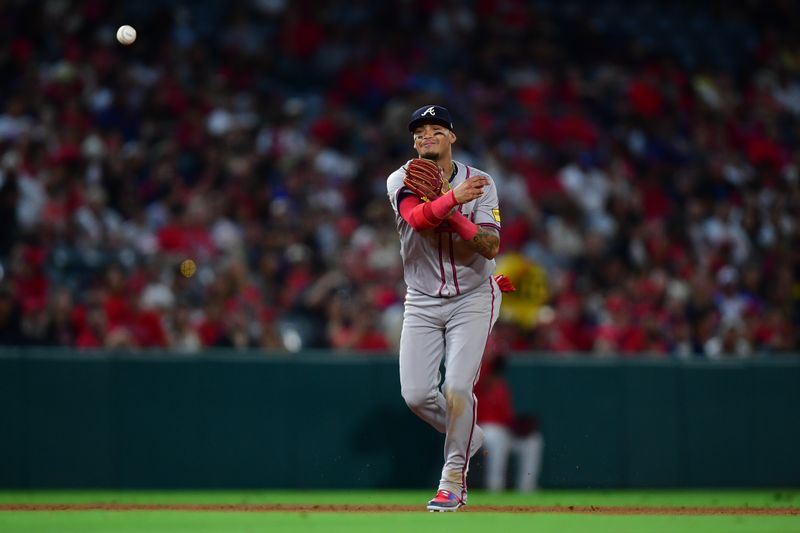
column 465, row 229
column 441, row 207
column 426, row 215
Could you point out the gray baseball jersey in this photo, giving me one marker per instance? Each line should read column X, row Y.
column 451, row 304
column 437, row 262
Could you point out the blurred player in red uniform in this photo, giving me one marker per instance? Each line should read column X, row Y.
column 505, row 432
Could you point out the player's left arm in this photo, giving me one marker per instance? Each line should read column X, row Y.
column 486, row 242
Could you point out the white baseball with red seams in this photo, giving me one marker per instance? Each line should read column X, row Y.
column 451, row 304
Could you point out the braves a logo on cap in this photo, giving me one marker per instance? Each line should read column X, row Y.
column 430, row 111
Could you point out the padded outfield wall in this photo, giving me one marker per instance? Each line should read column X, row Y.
column 325, row 421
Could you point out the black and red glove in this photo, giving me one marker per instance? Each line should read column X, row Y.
column 425, row 179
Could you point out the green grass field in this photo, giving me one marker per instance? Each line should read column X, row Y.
column 93, row 521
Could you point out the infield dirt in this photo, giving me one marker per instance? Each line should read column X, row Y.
column 329, row 508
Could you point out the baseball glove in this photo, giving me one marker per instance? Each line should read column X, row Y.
column 425, row 179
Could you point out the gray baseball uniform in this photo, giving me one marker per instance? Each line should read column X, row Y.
column 451, row 304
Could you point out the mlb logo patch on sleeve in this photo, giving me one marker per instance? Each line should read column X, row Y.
column 496, row 214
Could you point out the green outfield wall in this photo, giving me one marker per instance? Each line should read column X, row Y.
column 323, row 421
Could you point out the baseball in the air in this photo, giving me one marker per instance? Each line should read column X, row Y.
column 126, row 35
column 188, row 268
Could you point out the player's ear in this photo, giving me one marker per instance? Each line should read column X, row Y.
column 452, row 137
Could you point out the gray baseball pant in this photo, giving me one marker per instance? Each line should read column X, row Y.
column 458, row 329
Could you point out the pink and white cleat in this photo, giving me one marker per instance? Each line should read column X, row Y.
column 444, row 501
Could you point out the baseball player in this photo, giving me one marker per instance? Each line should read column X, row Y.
column 449, row 224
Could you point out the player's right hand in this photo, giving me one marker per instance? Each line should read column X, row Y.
column 470, row 189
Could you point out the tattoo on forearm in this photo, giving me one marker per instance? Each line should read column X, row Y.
column 486, row 242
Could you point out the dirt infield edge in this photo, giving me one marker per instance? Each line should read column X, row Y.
column 330, row 508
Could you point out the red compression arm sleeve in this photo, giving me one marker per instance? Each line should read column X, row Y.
column 426, row 215
column 465, row 229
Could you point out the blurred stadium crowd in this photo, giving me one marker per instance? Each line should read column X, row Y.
column 647, row 160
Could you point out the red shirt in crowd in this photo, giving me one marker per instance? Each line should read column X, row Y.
column 494, row 401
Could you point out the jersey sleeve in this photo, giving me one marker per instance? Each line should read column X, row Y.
column 395, row 188
column 487, row 208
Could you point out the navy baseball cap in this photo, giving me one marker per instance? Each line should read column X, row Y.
column 430, row 114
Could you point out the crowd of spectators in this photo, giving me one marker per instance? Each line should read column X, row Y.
column 647, row 160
